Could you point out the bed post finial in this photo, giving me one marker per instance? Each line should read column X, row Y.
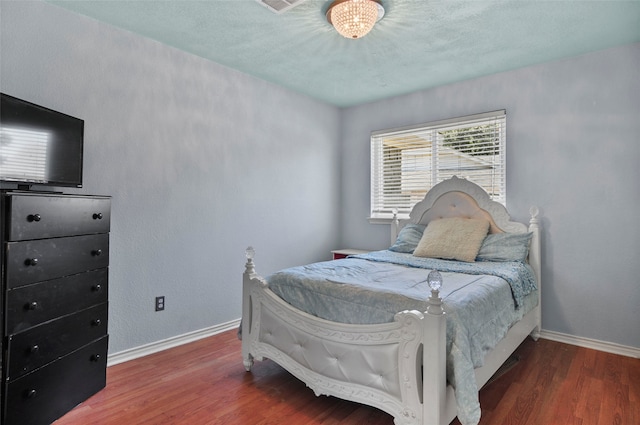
column 435, row 302
column 534, row 211
column 250, row 253
column 395, row 224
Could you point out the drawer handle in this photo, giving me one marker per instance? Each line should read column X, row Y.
column 96, row 288
column 96, row 322
column 30, row 393
column 34, row 349
column 96, row 252
column 31, row 262
column 34, row 217
column 95, row 357
column 31, row 306
column 97, row 216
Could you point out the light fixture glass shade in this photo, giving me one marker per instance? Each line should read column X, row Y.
column 354, row 18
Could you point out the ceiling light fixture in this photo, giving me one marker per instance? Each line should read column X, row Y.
column 354, row 18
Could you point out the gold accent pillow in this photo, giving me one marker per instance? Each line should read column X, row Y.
column 453, row 238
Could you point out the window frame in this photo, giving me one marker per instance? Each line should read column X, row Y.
column 381, row 211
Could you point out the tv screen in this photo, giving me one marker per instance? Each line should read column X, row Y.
column 39, row 145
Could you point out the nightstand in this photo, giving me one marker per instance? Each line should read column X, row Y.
column 344, row 253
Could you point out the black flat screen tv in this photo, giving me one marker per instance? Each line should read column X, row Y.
column 39, row 145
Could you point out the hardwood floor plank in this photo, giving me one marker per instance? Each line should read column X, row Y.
column 204, row 383
column 588, row 407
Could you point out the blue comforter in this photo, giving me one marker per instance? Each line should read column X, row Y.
column 482, row 301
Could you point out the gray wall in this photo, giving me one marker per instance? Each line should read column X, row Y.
column 573, row 149
column 201, row 162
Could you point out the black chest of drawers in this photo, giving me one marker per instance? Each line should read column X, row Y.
column 53, row 303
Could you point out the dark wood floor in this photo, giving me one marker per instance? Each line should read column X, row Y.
column 205, row 383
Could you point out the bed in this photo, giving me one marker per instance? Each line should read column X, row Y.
column 383, row 330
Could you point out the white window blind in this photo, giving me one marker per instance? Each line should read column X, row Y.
column 407, row 162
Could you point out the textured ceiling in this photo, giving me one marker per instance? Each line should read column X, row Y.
column 417, row 45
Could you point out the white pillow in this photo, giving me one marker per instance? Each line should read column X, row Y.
column 453, row 238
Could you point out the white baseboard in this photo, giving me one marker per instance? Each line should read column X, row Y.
column 165, row 344
column 154, row 347
column 594, row 344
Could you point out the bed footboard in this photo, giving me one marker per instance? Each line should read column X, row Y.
column 377, row 365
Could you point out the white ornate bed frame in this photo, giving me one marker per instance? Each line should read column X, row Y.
column 382, row 365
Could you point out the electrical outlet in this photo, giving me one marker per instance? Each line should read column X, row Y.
column 160, row 303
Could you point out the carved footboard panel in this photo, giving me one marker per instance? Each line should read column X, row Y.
column 377, row 365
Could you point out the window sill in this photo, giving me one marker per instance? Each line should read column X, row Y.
column 387, row 220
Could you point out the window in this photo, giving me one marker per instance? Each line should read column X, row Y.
column 407, row 162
